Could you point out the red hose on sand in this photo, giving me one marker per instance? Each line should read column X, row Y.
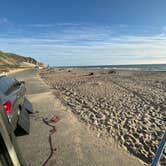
column 53, row 131
column 49, row 122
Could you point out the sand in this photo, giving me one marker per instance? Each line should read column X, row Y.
column 5, row 70
column 10, row 71
column 129, row 106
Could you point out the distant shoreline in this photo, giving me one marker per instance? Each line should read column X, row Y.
column 139, row 67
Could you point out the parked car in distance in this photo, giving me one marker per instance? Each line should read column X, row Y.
column 12, row 94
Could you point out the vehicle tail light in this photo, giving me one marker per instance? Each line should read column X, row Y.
column 7, row 106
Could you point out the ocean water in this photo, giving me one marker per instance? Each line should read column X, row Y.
column 151, row 67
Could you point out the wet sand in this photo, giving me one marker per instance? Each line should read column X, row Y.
column 129, row 106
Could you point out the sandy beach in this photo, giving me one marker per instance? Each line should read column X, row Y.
column 129, row 106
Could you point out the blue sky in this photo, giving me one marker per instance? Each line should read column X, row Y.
column 85, row 32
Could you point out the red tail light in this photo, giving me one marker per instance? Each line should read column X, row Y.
column 7, row 106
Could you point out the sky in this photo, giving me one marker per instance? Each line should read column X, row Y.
column 85, row 32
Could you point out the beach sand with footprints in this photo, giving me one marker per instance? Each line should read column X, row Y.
column 129, row 106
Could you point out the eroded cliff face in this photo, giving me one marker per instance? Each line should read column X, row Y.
column 9, row 61
column 13, row 60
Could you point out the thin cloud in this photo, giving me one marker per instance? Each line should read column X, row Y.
column 87, row 45
column 165, row 28
column 3, row 20
column 40, row 25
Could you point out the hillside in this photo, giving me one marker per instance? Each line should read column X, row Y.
column 12, row 61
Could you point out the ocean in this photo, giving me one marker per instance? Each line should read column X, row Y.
column 151, row 67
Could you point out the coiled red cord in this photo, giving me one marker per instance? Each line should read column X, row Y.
column 49, row 122
column 53, row 131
